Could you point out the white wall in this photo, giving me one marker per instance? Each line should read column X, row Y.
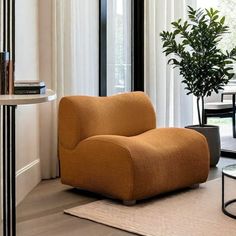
column 45, row 73
column 33, row 62
column 27, row 117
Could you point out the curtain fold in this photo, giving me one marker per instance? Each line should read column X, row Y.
column 75, row 54
column 162, row 82
column 75, row 47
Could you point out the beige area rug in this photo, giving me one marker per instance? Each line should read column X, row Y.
column 195, row 212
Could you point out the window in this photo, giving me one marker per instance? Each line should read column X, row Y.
column 118, row 46
column 121, row 46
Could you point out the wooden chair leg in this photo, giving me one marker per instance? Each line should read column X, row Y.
column 129, row 203
column 194, row 186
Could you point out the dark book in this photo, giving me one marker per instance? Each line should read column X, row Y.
column 31, row 90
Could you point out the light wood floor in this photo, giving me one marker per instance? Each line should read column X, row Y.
column 41, row 213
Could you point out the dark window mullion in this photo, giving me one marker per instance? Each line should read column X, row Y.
column 102, row 47
column 137, row 79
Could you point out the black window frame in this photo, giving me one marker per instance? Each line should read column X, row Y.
column 137, row 43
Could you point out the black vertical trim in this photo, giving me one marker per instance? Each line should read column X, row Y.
column 8, row 170
column 4, row 171
column 13, row 169
column 137, row 76
column 102, row 47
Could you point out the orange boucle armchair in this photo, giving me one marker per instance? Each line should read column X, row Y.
column 110, row 145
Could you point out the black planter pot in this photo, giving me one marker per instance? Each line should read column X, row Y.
column 212, row 134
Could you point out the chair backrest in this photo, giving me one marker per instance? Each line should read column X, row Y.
column 124, row 114
column 216, row 97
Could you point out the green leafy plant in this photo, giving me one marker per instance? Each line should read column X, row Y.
column 193, row 47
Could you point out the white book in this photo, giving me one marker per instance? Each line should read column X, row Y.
column 29, row 83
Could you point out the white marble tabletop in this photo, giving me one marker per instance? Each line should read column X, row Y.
column 28, row 99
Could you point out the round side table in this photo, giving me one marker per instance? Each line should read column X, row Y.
column 230, row 172
column 9, row 104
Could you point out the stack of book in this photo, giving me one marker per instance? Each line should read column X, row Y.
column 29, row 87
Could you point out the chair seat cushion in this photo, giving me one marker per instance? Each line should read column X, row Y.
column 137, row 167
column 218, row 105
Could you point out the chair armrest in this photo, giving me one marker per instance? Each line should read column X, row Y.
column 68, row 124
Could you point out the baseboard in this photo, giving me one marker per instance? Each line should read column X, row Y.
column 26, row 179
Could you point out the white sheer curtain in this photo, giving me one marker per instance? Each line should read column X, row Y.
column 162, row 83
column 74, row 66
column 76, row 47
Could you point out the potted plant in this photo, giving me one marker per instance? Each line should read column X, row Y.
column 192, row 46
